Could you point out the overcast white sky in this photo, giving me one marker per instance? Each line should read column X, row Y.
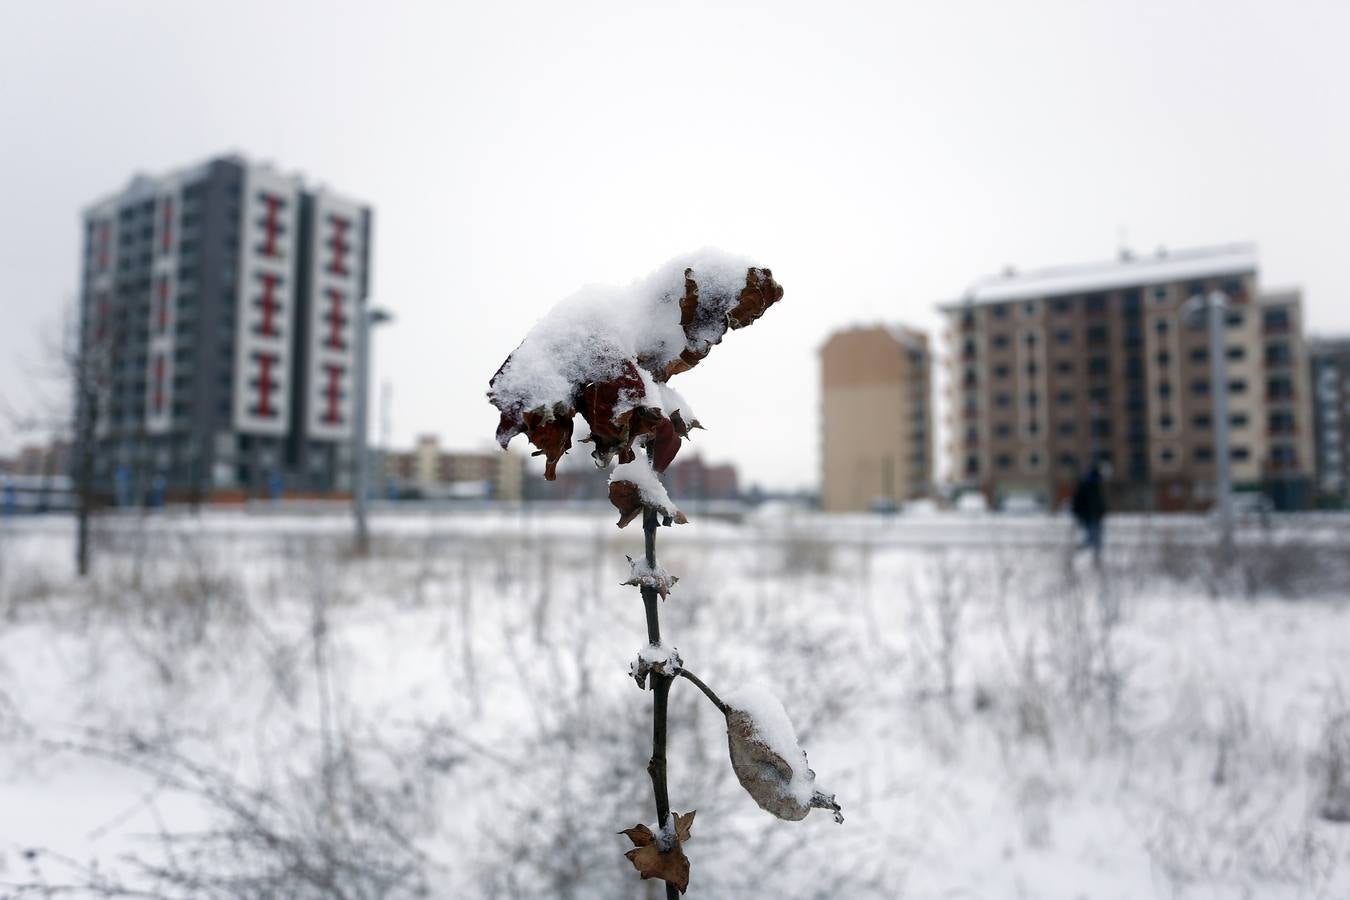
column 878, row 157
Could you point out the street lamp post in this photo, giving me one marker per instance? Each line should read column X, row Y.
column 369, row 318
column 1215, row 307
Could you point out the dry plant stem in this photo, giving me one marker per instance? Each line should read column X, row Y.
column 656, row 766
column 707, row 691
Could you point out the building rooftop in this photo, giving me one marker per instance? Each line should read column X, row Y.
column 1127, row 271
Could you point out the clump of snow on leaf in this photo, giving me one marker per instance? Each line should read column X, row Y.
column 606, row 352
column 653, row 492
column 768, row 761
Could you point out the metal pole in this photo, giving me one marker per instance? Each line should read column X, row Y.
column 1218, row 374
column 359, row 461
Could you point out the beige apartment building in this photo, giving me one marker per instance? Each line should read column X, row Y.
column 876, row 435
column 1053, row 370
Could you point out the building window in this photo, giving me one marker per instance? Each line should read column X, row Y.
column 1164, row 389
column 1100, row 395
column 1033, row 460
column 1032, row 368
column 1000, row 312
column 1066, row 428
column 1099, row 365
column 1000, row 341
column 1237, row 386
column 1096, row 335
column 1004, row 461
column 1166, row 455
column 1029, row 339
column 1281, row 423
column 1002, row 400
column 1199, row 355
column 1095, row 303
column 1235, row 319
column 1165, row 422
column 1160, row 326
column 1000, row 372
column 1239, row 454
column 972, row 466
column 1275, row 321
column 1204, row 454
column 1200, row 420
column 1279, row 388
column 1029, row 307
column 1063, row 305
column 1199, row 387
column 1237, row 420
column 1032, row 399
column 1160, row 295
column 1064, row 336
column 1237, row 353
column 1003, row 430
column 1064, row 366
column 1064, row 398
column 1278, row 354
column 1163, row 358
column 1068, row 461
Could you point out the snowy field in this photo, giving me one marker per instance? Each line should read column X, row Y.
column 233, row 706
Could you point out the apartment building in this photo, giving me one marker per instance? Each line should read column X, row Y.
column 876, row 418
column 1329, row 361
column 218, row 311
column 1051, row 371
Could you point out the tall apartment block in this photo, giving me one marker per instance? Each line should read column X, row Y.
column 1053, row 370
column 1330, row 373
column 219, row 311
column 876, row 418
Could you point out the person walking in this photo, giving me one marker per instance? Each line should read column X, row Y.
column 1089, row 509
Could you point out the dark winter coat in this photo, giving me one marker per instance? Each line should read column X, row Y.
column 1089, row 500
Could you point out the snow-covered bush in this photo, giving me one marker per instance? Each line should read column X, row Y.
column 609, row 354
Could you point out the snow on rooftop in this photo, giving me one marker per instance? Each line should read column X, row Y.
column 1165, row 266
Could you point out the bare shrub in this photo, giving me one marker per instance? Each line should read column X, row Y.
column 1332, row 764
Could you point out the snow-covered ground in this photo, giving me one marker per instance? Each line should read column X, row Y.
column 233, row 706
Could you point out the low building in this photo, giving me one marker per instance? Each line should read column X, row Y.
column 689, row 478
column 428, row 471
column 42, row 460
column 876, row 419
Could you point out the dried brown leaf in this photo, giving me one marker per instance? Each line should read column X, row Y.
column 640, row 835
column 672, row 866
column 760, row 292
column 682, row 825
column 665, row 443
column 669, row 865
column 627, row 499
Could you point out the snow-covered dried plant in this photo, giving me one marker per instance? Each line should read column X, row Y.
column 609, row 354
